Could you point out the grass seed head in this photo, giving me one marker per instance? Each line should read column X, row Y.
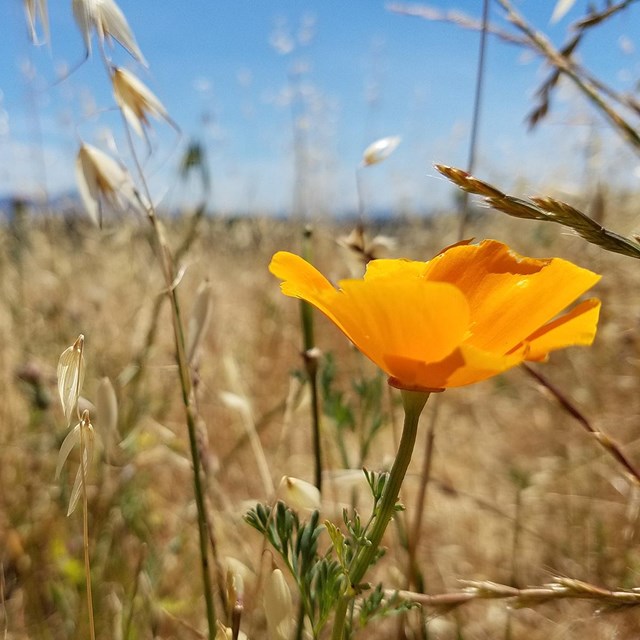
column 100, row 177
column 106, row 17
column 380, row 150
column 70, row 375
column 136, row 100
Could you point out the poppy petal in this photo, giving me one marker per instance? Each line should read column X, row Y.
column 465, row 365
column 578, row 327
column 510, row 296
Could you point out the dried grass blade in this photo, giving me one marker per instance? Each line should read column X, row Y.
column 73, row 438
column 87, row 457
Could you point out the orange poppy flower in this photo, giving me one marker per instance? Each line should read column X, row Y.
column 473, row 311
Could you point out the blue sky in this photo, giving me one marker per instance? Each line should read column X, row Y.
column 223, row 69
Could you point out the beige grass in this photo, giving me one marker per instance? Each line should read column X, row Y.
column 578, row 515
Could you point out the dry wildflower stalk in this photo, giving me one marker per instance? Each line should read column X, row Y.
column 562, row 63
column 70, row 378
column 596, row 17
column 546, row 209
column 561, row 60
column 560, row 589
column 605, row 441
column 455, row 17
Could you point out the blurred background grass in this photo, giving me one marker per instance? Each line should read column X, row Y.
column 519, row 493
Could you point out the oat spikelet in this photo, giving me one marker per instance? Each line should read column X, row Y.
column 136, row 100
column 106, row 17
column 546, row 209
column 83, row 435
column 101, row 178
column 70, row 376
column 380, row 150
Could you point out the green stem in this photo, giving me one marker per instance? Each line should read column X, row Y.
column 310, row 358
column 166, row 258
column 413, row 403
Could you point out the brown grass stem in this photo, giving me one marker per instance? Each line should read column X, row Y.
column 560, row 589
column 606, row 442
column 564, row 65
column 596, row 17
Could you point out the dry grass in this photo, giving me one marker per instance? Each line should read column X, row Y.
column 498, row 444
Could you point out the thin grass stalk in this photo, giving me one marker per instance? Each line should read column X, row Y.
column 595, row 17
column 134, row 593
column 475, row 124
column 300, row 622
column 3, row 602
column 217, row 564
column 360, row 192
column 85, row 534
column 301, row 167
column 606, row 442
column 413, row 402
column 185, row 384
column 515, row 546
column 310, row 358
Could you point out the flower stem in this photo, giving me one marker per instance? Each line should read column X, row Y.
column 413, row 403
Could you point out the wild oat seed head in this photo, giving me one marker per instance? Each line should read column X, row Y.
column 106, row 17
column 380, row 150
column 70, row 374
column 100, row 177
column 83, row 435
column 136, row 100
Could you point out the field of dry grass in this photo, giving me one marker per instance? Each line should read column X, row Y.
column 518, row 494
